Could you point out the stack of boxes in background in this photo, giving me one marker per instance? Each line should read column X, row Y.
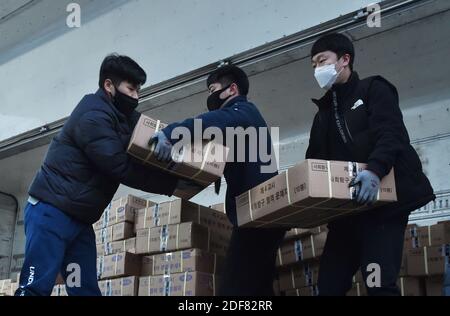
column 8, row 287
column 168, row 249
column 298, row 262
column 165, row 229
column 427, row 254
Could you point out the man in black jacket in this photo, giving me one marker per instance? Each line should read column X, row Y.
column 360, row 120
column 83, row 168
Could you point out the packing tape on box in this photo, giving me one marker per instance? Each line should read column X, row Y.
column 121, row 286
column 108, row 288
column 215, row 264
column 298, row 249
column 214, row 284
column 185, row 283
column 116, row 259
column 402, row 287
column 170, row 211
column 101, row 267
column 148, row 239
column 164, row 235
column 156, row 215
column 199, row 217
column 150, row 154
column 293, row 278
column 429, row 235
column 167, row 284
column 177, row 238
column 313, row 248
column 279, row 256
column 425, row 256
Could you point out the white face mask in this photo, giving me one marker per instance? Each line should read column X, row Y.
column 326, row 76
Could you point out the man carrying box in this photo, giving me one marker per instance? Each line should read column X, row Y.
column 250, row 263
column 360, row 120
column 83, row 168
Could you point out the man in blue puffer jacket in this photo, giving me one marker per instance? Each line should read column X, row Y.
column 85, row 164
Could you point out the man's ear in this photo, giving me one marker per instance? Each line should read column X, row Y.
column 234, row 89
column 109, row 86
column 346, row 60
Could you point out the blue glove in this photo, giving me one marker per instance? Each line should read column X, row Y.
column 163, row 149
column 367, row 191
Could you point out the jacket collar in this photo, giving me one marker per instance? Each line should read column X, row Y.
column 233, row 101
column 342, row 91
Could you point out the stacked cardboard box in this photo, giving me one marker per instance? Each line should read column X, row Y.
column 308, row 195
column 186, row 242
column 180, row 225
column 428, row 254
column 121, row 210
column 126, row 286
column 218, row 207
column 202, row 162
column 179, row 284
column 298, row 261
column 59, row 290
column 301, row 249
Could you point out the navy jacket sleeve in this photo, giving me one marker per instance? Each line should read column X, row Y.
column 386, row 127
column 234, row 116
column 96, row 136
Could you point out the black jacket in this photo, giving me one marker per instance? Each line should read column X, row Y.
column 240, row 176
column 376, row 135
column 87, row 161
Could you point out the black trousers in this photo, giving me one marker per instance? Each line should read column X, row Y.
column 358, row 242
column 249, row 268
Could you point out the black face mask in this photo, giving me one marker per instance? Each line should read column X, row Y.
column 125, row 103
column 214, row 101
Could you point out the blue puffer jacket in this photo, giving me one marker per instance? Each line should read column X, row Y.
column 87, row 161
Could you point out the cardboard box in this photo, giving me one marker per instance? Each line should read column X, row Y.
column 178, row 237
column 411, row 286
column 59, row 290
column 358, row 277
column 308, row 195
column 186, row 261
column 147, row 266
column 358, row 289
column 299, row 276
column 434, row 285
column 427, row 261
column 121, row 210
column 439, row 234
column 180, row 211
column 304, row 291
column 115, row 232
column 302, row 249
column 5, row 286
column 276, row 287
column 404, row 267
column 118, row 265
column 299, row 232
column 412, row 237
column 127, row 286
column 203, row 163
column 219, row 207
column 109, row 248
column 178, row 284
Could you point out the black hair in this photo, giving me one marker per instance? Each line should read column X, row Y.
column 229, row 74
column 337, row 43
column 120, row 68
